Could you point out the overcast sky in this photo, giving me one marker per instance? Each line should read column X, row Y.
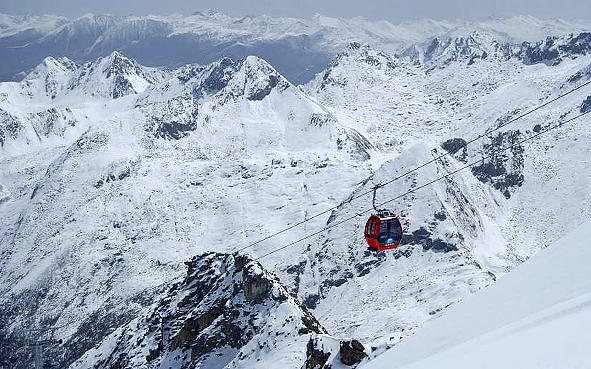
column 392, row 10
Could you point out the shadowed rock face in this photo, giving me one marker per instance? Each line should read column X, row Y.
column 454, row 145
column 10, row 126
column 325, row 352
column 316, row 357
column 554, row 49
column 224, row 302
column 352, row 352
column 504, row 169
column 586, row 105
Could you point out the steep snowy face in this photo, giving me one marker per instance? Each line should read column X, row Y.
column 244, row 108
column 514, row 316
column 113, row 76
column 110, row 77
column 385, row 98
column 380, row 297
column 52, row 76
column 54, row 101
column 228, row 312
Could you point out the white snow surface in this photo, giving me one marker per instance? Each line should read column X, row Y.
column 537, row 316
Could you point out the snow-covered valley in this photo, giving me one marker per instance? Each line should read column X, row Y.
column 114, row 175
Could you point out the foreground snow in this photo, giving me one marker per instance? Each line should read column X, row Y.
column 537, row 316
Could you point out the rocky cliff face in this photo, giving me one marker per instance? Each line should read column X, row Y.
column 228, row 312
column 554, row 50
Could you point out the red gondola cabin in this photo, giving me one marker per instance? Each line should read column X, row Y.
column 383, row 232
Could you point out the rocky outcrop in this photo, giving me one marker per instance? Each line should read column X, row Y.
column 10, row 127
column 326, row 352
column 503, row 169
column 454, row 145
column 443, row 51
column 352, row 352
column 316, row 357
column 586, row 105
column 553, row 50
column 225, row 311
column 174, row 119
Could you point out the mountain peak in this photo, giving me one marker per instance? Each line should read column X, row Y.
column 50, row 64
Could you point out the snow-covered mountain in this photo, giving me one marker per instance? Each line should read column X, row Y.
column 113, row 175
column 298, row 48
column 464, row 232
column 221, row 136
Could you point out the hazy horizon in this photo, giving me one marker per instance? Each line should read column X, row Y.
column 392, row 11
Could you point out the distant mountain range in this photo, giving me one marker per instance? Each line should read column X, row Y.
column 298, row 48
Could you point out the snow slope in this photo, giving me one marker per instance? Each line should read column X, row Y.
column 537, row 316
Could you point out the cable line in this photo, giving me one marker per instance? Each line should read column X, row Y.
column 417, row 168
column 422, row 186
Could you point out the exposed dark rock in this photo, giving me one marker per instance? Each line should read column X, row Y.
column 177, row 118
column 586, row 105
column 315, row 357
column 542, row 52
column 10, row 127
column 218, row 77
column 422, row 236
column 441, row 215
column 172, row 130
column 554, row 49
column 256, row 286
column 121, row 87
column 261, row 92
column 577, row 45
column 585, row 72
column 296, row 271
column 454, row 145
column 504, row 169
column 320, row 119
column 311, row 301
column 322, row 352
column 352, row 352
